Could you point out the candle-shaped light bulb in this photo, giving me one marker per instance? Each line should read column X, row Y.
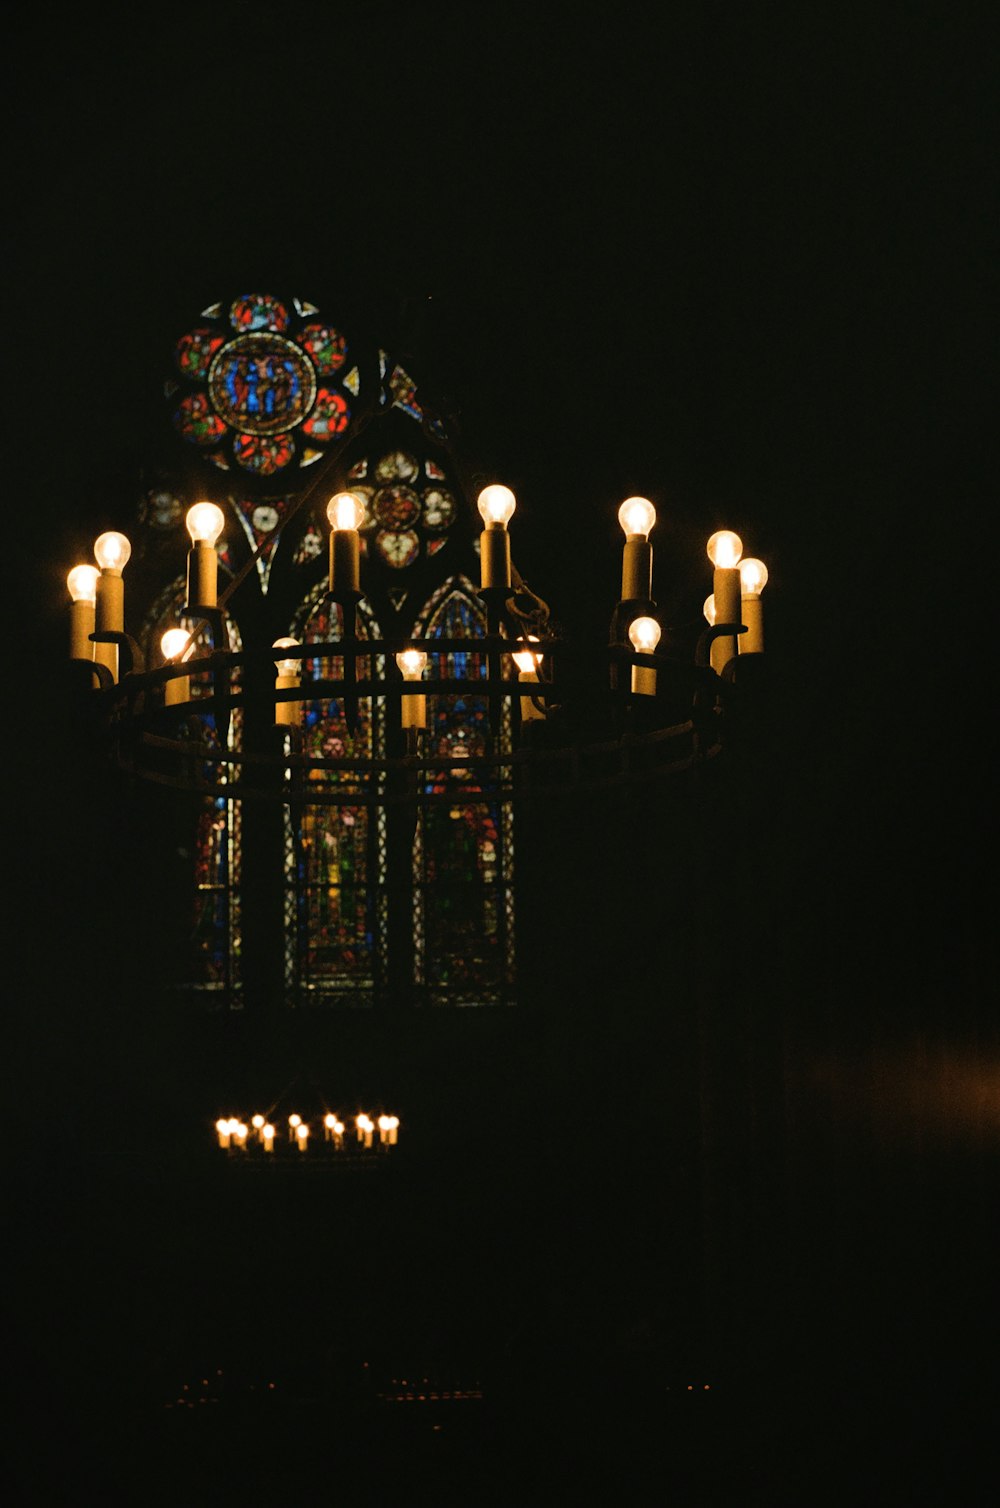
column 528, row 662
column 637, row 516
column 111, row 551
column 708, row 609
column 172, row 647
column 724, row 551
column 412, row 663
column 205, row 522
column 257, row 1122
column 267, row 1137
column 302, row 1136
column 346, row 512
column 496, row 505
column 644, row 633
column 288, row 671
column 82, row 584
column 753, row 579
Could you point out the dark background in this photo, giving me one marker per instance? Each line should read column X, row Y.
column 739, row 262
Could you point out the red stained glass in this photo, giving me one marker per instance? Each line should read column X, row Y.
column 195, row 351
column 263, row 454
column 329, row 416
column 258, row 311
column 195, row 420
column 325, row 345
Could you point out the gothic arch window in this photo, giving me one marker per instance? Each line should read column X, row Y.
column 335, row 902
column 212, row 958
column 463, row 850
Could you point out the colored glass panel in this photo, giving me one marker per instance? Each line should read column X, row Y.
column 195, row 351
column 440, row 509
column 397, row 548
column 263, row 454
column 258, row 311
column 329, row 416
column 396, row 466
column 396, row 507
column 325, row 345
column 261, row 384
column 195, row 421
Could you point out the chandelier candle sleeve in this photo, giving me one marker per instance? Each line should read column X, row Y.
column 496, row 506
column 82, row 583
column 205, row 522
column 527, row 663
column 111, row 551
column 286, row 714
column 753, row 579
column 173, row 646
column 637, row 517
column 645, row 635
column 724, row 551
column 346, row 513
column 411, row 663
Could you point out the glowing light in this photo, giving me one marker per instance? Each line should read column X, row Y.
column 345, row 510
column 287, row 666
column 82, row 583
column 257, row 1122
column 526, row 660
column 637, row 516
column 411, row 662
column 294, row 1120
column 205, row 522
column 496, row 505
column 725, row 549
column 112, row 551
column 753, row 576
column 709, row 610
column 645, row 634
column 174, row 642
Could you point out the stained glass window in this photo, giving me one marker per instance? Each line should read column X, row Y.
column 214, row 935
column 463, row 848
column 335, row 868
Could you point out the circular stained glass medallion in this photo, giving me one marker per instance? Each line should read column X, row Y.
column 329, row 417
column 195, row 350
column 195, row 421
column 325, row 345
column 258, row 311
column 439, row 509
column 395, row 507
column 396, row 466
column 398, row 548
column 263, row 454
column 261, row 383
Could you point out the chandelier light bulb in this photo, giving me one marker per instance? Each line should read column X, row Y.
column 725, row 549
column 645, row 634
column 709, row 610
column 753, row 577
column 345, row 510
column 287, row 666
column 411, row 662
column 112, row 551
column 637, row 517
column 205, row 522
column 496, row 505
column 526, row 660
column 174, row 642
column 82, row 584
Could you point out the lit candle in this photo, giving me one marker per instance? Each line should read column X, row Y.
column 286, row 714
column 267, row 1137
column 346, row 512
column 753, row 580
column 724, row 551
column 302, row 1136
column 205, row 522
column 527, row 664
column 112, row 552
column 173, row 645
column 82, row 583
column 645, row 635
column 411, row 663
column 637, row 517
column 496, row 506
